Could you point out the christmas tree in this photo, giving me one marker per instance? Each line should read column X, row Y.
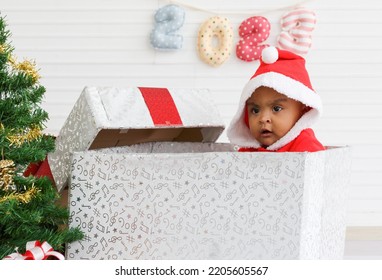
column 29, row 208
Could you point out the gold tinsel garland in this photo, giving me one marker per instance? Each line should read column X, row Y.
column 21, row 197
column 27, row 66
column 2, row 48
column 29, row 135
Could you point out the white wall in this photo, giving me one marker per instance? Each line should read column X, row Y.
column 105, row 42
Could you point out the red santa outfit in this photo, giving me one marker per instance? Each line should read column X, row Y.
column 284, row 72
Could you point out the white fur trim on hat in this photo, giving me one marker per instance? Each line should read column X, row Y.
column 284, row 85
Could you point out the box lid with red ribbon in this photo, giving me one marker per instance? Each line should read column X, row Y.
column 110, row 117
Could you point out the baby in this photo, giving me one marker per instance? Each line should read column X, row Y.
column 277, row 107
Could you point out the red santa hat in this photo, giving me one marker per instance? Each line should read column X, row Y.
column 284, row 72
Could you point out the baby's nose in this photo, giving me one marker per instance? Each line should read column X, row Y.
column 265, row 117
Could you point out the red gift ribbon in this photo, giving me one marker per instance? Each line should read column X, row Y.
column 36, row 251
column 161, row 106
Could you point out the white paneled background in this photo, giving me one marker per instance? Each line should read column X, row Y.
column 106, row 43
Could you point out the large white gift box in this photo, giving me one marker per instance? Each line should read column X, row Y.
column 107, row 117
column 208, row 201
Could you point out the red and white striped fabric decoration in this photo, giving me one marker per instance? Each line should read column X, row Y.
column 297, row 27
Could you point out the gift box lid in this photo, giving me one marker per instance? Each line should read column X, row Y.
column 109, row 117
column 135, row 115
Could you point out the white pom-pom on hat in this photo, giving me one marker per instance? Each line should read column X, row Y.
column 269, row 55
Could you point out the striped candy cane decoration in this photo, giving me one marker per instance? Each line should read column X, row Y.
column 297, row 27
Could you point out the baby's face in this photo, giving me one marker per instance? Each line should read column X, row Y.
column 271, row 115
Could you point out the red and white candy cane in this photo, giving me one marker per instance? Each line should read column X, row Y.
column 253, row 31
column 297, row 27
column 36, row 251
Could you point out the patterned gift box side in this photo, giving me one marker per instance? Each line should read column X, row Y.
column 187, row 206
column 79, row 129
column 335, row 193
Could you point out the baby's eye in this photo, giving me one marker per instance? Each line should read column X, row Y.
column 255, row 110
column 277, row 108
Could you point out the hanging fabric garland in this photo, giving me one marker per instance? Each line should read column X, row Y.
column 215, row 36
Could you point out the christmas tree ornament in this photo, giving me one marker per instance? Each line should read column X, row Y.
column 7, row 171
column 36, row 251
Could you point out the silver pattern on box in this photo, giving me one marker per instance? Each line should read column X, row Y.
column 212, row 204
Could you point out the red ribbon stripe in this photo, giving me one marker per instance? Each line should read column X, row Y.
column 161, row 106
